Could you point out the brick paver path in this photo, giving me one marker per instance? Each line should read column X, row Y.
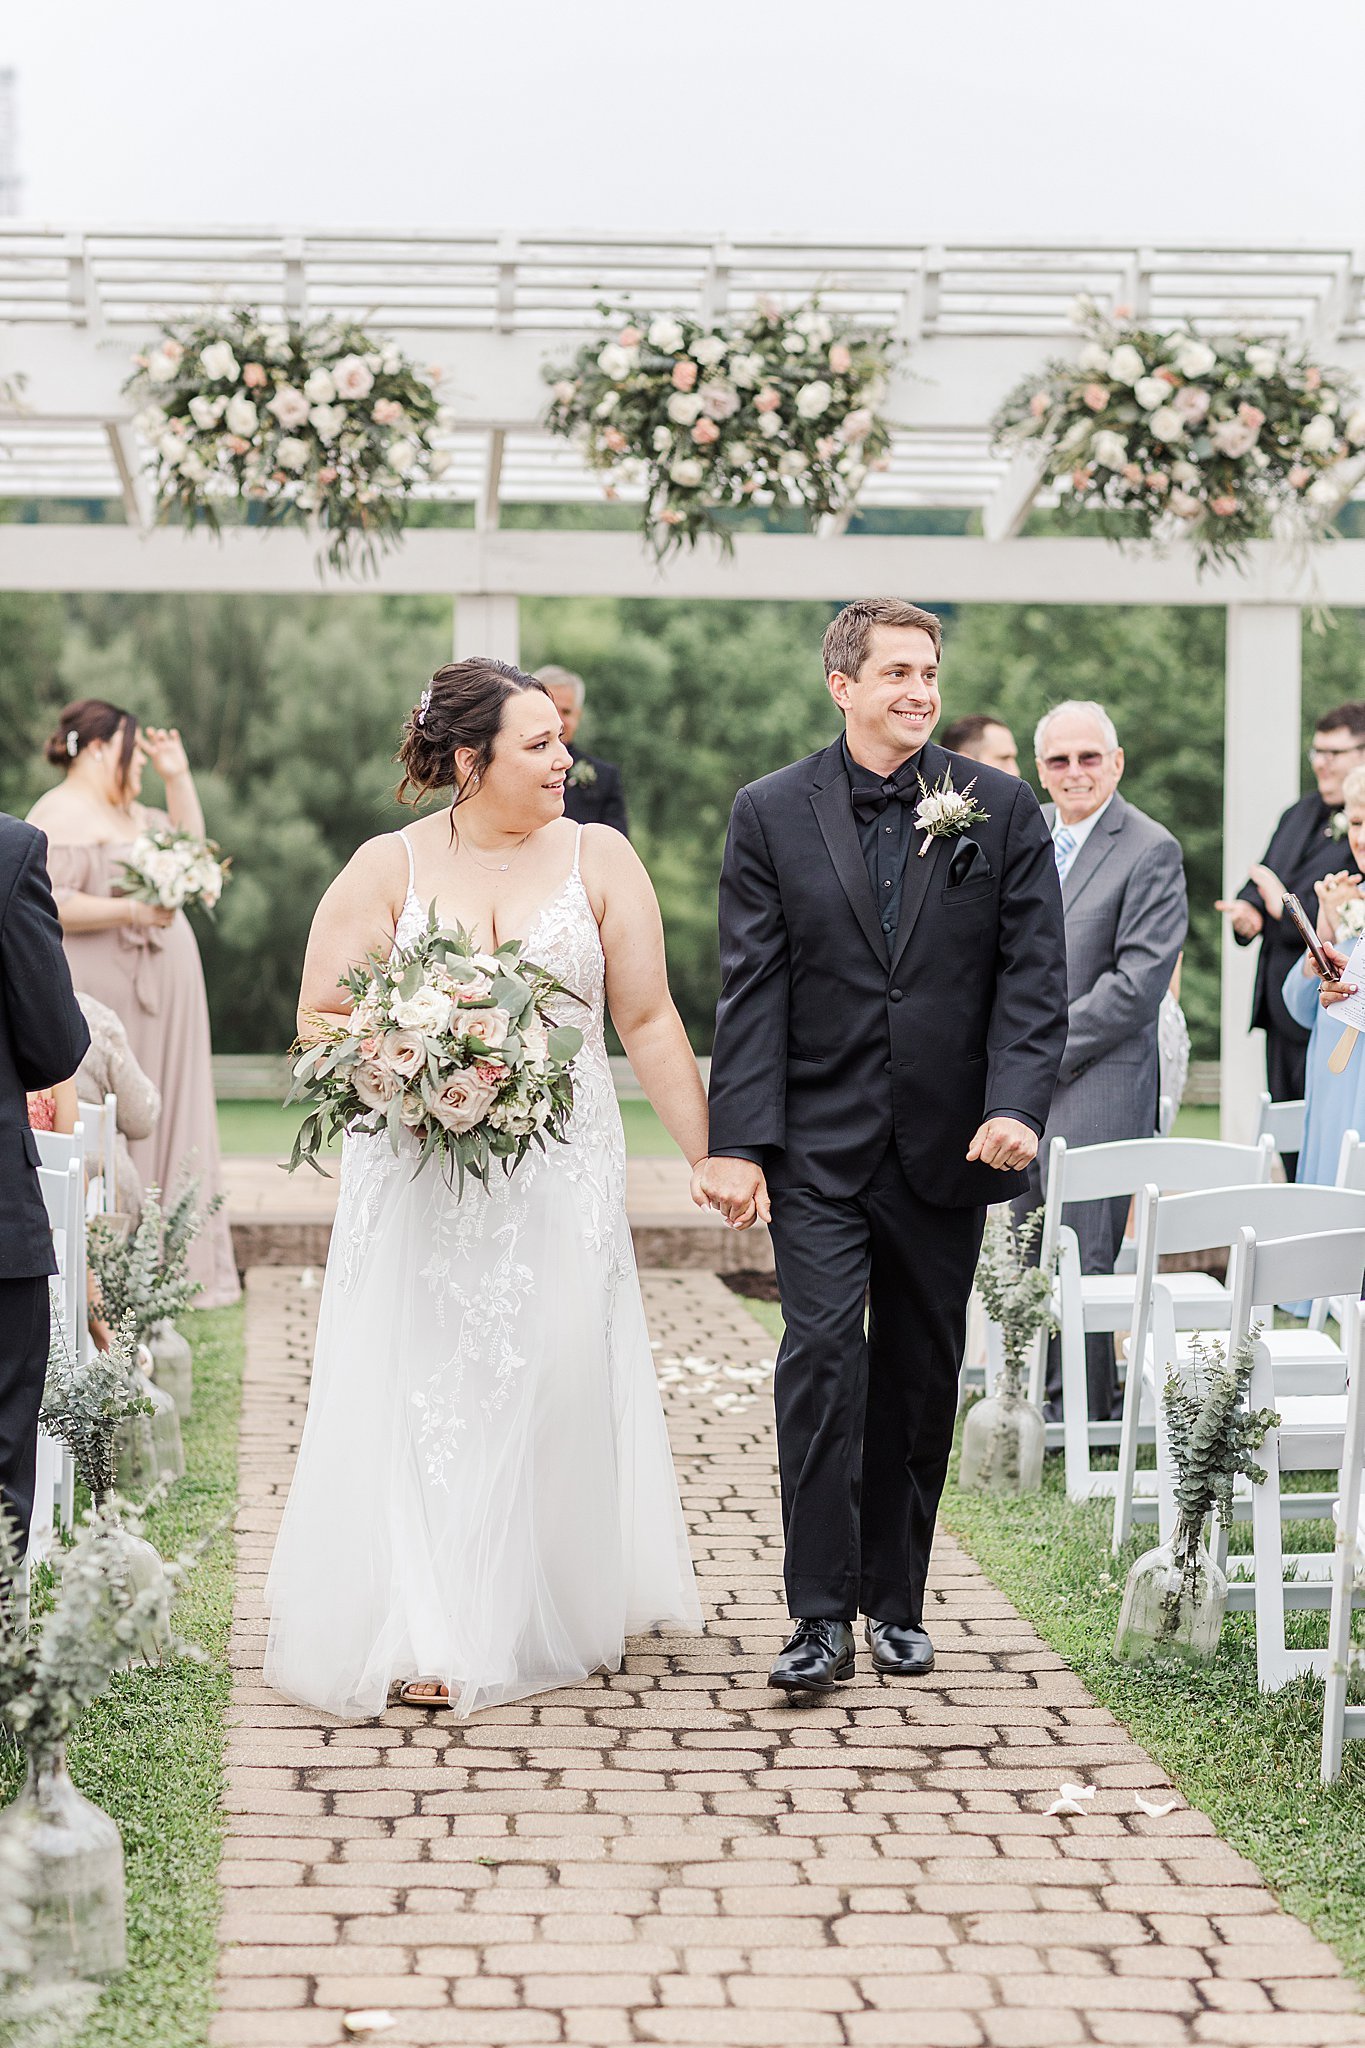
column 670, row 1856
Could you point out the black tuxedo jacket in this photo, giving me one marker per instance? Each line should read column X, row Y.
column 599, row 802
column 1301, row 852
column 43, row 1039
column 826, row 1046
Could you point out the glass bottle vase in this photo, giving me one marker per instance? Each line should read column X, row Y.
column 1002, row 1446
column 135, row 1472
column 173, row 1366
column 168, row 1446
column 1173, row 1602
column 75, row 1877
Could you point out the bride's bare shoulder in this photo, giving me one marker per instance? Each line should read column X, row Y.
column 610, row 866
column 379, row 866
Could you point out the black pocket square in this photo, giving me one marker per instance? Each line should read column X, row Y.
column 968, row 864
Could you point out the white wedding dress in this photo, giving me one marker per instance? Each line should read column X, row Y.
column 484, row 1492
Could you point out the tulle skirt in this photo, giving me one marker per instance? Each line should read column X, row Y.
column 484, row 1492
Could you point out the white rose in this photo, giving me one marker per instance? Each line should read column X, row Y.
column 425, row 1010
column 688, row 472
column 161, row 368
column 1232, row 437
column 535, row 1041
column 327, row 420
column 1109, row 449
column 401, row 456
column 1328, row 401
column 320, row 388
column 746, row 371
column 616, row 362
column 662, row 440
column 738, row 456
column 292, row 454
column 240, row 416
column 1166, row 424
column 607, row 405
column 1184, row 506
column 439, row 463
column 769, row 425
column 1194, row 358
column 564, row 391
column 152, row 420
column 719, row 401
column 1320, row 433
column 1094, row 359
column 1126, row 365
column 792, row 463
column 1325, row 493
column 218, row 361
column 391, row 362
column 814, row 399
column 289, row 406
column 1355, row 428
column 794, row 344
column 1150, row 392
column 171, row 447
column 1184, row 473
column 1261, row 360
column 353, row 377
column 206, row 412
column 710, row 349
column 684, row 407
column 856, row 425
column 666, row 334
column 193, row 466
column 816, row 327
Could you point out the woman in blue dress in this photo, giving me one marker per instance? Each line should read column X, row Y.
column 1335, row 1102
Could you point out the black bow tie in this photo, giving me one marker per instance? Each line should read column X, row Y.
column 870, row 803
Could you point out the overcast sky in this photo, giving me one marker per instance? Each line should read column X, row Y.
column 887, row 118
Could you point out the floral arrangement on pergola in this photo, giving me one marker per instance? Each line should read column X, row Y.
column 776, row 409
column 1225, row 438
column 322, row 425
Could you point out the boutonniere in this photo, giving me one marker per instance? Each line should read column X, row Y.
column 581, row 774
column 1335, row 827
column 945, row 812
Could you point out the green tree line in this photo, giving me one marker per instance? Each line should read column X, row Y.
column 291, row 709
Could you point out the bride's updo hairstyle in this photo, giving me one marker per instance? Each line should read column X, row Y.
column 461, row 707
column 90, row 718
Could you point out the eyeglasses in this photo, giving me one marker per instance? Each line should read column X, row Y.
column 1335, row 753
column 1055, row 763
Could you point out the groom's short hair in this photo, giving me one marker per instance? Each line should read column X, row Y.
column 847, row 635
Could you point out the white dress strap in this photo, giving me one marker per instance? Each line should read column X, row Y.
column 412, row 865
column 577, row 850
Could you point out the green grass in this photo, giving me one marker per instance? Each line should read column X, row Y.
column 151, row 1751
column 263, row 1127
column 1248, row 1759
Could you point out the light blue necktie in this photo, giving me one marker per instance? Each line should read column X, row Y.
column 1063, row 846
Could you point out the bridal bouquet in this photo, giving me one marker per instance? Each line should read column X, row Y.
column 453, row 1046
column 174, row 870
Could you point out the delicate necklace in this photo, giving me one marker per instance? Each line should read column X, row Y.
column 497, row 867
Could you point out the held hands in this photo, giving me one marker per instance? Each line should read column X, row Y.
column 736, row 1187
column 166, row 751
column 1004, row 1143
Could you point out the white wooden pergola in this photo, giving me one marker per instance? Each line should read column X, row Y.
column 492, row 309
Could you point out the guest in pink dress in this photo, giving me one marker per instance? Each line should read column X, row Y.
column 139, row 959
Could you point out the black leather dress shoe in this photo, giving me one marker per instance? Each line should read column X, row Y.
column 899, row 1650
column 820, row 1655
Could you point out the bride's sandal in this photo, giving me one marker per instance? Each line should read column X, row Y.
column 424, row 1692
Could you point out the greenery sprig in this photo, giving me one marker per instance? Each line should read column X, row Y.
column 1212, row 1434
column 88, row 1398
column 143, row 1276
column 1015, row 1290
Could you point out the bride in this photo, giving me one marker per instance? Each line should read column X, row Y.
column 484, row 1504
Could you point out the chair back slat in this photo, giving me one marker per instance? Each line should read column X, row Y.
column 1212, row 1217
column 1299, row 1268
column 1282, row 1123
column 1094, row 1173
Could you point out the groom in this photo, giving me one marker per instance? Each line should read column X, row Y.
column 891, row 1019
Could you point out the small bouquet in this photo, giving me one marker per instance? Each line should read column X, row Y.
column 1350, row 921
column 174, row 870
column 456, row 1047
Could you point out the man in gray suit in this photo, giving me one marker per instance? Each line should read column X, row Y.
column 1123, row 897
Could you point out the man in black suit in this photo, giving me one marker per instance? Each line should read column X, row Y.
column 892, row 1015
column 1303, row 849
column 43, row 1040
column 592, row 793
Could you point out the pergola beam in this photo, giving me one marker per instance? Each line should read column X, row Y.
column 777, row 567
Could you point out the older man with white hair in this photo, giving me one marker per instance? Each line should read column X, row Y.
column 592, row 790
column 1123, row 898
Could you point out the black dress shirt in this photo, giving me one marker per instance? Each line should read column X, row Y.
column 885, row 834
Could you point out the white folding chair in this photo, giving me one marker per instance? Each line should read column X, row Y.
column 57, row 1148
column 63, row 1191
column 1206, row 1220
column 1282, row 1123
column 100, row 1122
column 1341, row 1722
column 1310, row 1435
column 1085, row 1303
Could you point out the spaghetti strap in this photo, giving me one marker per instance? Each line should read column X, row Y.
column 412, row 866
column 577, row 850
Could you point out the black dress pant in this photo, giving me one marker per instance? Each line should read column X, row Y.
column 24, row 1333
column 1286, row 1070
column 874, row 1293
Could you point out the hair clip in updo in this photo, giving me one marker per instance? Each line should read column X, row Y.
column 73, row 744
column 422, row 704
